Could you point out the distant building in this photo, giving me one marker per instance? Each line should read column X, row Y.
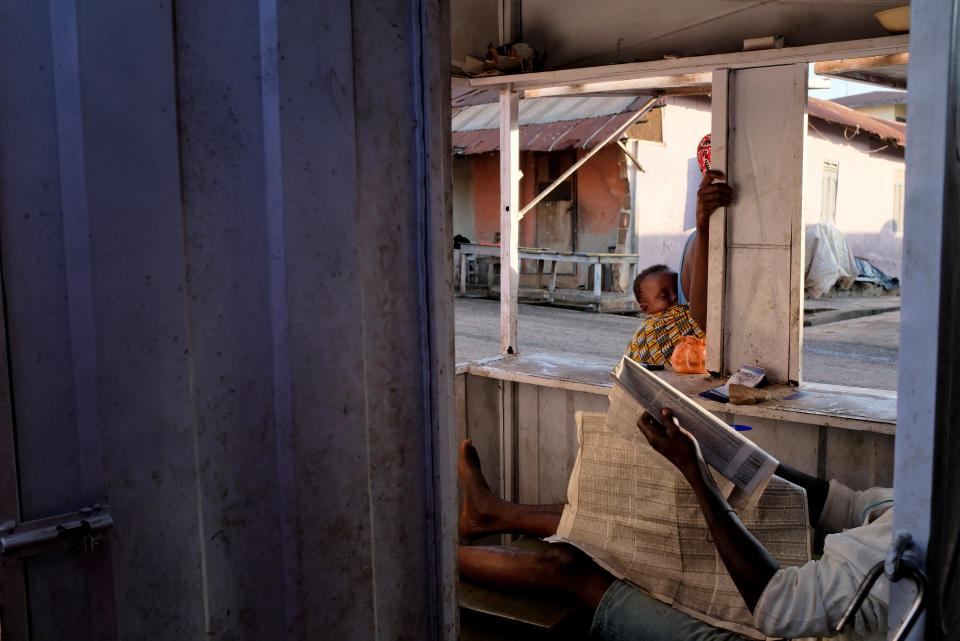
column 854, row 177
column 889, row 105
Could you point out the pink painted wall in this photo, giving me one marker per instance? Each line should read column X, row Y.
column 486, row 198
column 485, row 181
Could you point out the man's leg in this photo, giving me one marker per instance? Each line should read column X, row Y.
column 485, row 513
column 563, row 568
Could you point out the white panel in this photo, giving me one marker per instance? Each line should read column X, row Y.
column 555, row 419
column 758, row 293
column 932, row 54
column 528, row 435
column 765, row 144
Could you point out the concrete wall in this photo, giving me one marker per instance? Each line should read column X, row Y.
column 603, row 196
column 666, row 190
column 887, row 112
column 866, row 189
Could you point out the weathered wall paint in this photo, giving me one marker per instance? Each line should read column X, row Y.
column 486, row 197
column 603, row 194
column 462, row 191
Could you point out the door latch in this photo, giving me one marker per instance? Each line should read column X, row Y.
column 82, row 530
column 903, row 561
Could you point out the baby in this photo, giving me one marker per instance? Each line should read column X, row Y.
column 656, row 291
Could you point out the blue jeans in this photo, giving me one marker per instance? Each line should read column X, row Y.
column 627, row 614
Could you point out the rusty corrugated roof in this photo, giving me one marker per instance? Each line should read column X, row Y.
column 560, row 124
column 895, row 132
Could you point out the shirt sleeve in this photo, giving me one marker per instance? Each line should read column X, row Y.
column 845, row 508
column 808, row 601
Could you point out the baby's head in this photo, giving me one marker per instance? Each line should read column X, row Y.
column 656, row 289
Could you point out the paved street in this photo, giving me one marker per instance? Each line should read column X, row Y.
column 860, row 352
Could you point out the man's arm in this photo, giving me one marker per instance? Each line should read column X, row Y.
column 817, row 489
column 748, row 562
column 710, row 196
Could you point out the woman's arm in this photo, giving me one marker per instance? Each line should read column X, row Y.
column 710, row 196
column 748, row 562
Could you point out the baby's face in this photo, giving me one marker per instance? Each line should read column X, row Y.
column 658, row 292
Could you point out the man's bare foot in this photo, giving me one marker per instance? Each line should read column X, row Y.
column 480, row 505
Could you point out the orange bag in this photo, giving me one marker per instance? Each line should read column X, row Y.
column 690, row 356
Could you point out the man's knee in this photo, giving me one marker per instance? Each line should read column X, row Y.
column 568, row 561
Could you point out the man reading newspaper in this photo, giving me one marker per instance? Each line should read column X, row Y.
column 805, row 599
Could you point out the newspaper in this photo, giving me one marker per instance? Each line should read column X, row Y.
column 724, row 449
column 637, row 517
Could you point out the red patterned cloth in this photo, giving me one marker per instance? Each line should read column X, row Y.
column 703, row 154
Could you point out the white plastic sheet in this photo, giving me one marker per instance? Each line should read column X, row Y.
column 829, row 260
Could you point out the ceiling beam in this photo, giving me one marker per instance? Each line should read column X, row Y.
column 658, row 82
column 870, row 62
column 871, row 47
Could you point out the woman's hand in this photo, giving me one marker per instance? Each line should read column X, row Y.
column 671, row 440
column 711, row 196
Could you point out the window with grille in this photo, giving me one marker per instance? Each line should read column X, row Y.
column 898, row 195
column 828, row 192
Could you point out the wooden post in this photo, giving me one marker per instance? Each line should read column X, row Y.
column 759, row 133
column 508, row 20
column 926, row 474
column 509, row 207
column 717, row 258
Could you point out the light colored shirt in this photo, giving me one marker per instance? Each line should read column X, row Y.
column 807, row 601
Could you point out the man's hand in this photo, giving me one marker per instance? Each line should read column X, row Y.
column 711, row 196
column 748, row 562
column 672, row 441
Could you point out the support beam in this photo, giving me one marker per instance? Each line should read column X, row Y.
column 703, row 64
column 717, row 256
column 926, row 474
column 509, row 21
column 759, row 137
column 633, row 84
column 859, row 64
column 631, row 156
column 509, row 206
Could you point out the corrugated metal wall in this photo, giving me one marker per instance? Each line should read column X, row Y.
column 225, row 235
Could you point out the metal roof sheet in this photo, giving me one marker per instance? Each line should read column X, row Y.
column 585, row 132
column 873, row 99
column 895, row 132
column 538, row 111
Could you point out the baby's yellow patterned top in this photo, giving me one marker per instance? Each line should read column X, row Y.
column 659, row 334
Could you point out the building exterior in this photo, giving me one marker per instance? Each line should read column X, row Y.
column 854, row 177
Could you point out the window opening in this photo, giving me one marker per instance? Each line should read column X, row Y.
column 828, row 192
